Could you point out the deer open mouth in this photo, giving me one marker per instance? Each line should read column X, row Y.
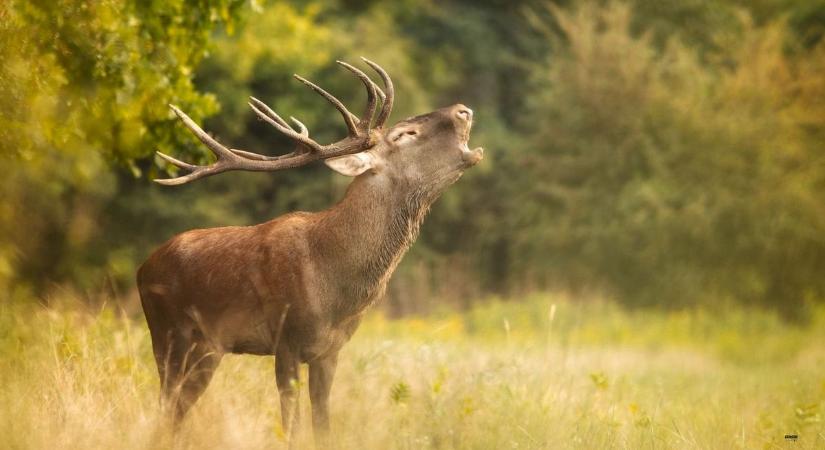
column 465, row 136
column 470, row 157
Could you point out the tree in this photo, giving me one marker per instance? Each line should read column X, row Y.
column 83, row 87
column 672, row 179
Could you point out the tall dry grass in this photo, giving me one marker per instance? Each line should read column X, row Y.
column 546, row 372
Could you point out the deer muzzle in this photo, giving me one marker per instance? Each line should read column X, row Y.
column 471, row 157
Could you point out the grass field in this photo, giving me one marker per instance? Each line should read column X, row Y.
column 544, row 372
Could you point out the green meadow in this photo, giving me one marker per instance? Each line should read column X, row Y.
column 548, row 371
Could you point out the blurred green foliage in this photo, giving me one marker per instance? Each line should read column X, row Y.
column 664, row 153
column 83, row 93
column 675, row 176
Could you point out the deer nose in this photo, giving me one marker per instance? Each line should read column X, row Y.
column 464, row 113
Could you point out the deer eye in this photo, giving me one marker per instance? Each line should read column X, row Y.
column 403, row 134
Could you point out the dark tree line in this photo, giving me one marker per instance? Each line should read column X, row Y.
column 664, row 153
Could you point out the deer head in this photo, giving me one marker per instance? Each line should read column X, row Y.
column 427, row 152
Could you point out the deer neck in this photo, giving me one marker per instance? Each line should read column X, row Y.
column 361, row 240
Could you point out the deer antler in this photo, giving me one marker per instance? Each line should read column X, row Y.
column 359, row 135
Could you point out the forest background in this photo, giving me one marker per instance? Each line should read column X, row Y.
column 661, row 154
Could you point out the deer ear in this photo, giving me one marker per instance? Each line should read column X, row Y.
column 352, row 165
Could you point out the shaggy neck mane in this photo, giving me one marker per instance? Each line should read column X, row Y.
column 365, row 235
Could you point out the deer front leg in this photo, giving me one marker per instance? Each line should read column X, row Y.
column 287, row 376
column 321, row 373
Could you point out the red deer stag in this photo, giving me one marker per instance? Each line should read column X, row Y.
column 297, row 286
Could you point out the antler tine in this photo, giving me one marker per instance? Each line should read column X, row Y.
column 221, row 153
column 349, row 118
column 259, row 157
column 303, row 128
column 369, row 112
column 272, row 114
column 303, row 131
column 380, row 93
column 177, row 162
column 386, row 109
column 216, row 147
column 282, row 126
